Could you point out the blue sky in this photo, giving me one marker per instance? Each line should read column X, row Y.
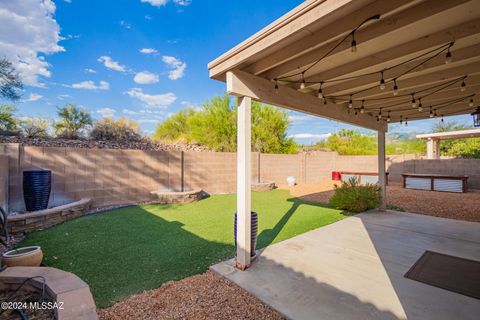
column 90, row 53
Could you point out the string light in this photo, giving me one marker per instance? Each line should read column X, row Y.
column 435, row 113
column 414, row 104
column 442, row 118
column 420, row 104
column 388, row 116
column 350, row 103
column 356, row 112
column 382, row 83
column 302, row 86
column 406, row 121
column 362, row 108
column 276, row 86
column 353, row 48
column 401, row 119
column 324, row 101
column 320, row 92
column 431, row 112
column 448, row 56
column 380, row 114
column 463, row 86
column 470, row 104
column 395, row 87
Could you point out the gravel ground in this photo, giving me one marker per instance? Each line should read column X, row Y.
column 461, row 206
column 205, row 296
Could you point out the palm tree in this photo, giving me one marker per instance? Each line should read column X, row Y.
column 72, row 120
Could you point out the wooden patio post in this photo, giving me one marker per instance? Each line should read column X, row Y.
column 381, row 170
column 243, row 182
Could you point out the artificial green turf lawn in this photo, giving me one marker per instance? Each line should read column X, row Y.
column 128, row 250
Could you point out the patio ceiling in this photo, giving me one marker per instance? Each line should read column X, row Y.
column 409, row 43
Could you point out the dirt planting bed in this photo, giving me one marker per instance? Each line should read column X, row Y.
column 460, row 206
column 205, row 296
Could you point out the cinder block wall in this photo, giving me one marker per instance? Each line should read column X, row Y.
column 112, row 177
column 4, row 183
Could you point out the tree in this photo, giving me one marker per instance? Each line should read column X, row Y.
column 10, row 83
column 175, row 128
column 7, row 120
column 215, row 126
column 72, row 121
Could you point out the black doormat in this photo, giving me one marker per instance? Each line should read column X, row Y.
column 451, row 273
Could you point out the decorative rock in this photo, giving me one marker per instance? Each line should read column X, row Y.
column 146, row 144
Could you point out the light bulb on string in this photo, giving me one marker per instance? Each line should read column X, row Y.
column 435, row 113
column 470, row 104
column 324, row 101
column 431, row 112
column 442, row 119
column 420, row 104
column 406, row 121
column 401, row 119
column 395, row 87
column 276, row 86
column 350, row 103
column 320, row 92
column 302, row 85
column 380, row 113
column 414, row 104
column 388, row 116
column 362, row 108
column 382, row 83
column 353, row 47
column 448, row 56
column 463, row 87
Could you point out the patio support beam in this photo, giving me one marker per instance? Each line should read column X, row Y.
column 243, row 182
column 241, row 84
column 381, row 170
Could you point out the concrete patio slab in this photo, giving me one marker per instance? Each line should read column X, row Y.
column 354, row 269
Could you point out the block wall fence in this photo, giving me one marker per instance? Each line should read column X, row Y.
column 112, row 177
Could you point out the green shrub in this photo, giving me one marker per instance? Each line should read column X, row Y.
column 7, row 120
column 35, row 127
column 121, row 129
column 353, row 197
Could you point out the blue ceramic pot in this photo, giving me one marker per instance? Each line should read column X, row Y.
column 37, row 185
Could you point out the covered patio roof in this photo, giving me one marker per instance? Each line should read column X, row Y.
column 363, row 62
column 460, row 134
column 427, row 49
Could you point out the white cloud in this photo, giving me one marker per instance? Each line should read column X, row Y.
column 148, row 51
column 183, row 2
column 125, row 24
column 159, row 3
column 299, row 118
column 111, row 64
column 90, row 85
column 107, row 112
column 310, row 136
column 28, row 30
column 155, row 3
column 152, row 100
column 63, row 96
column 130, row 112
column 146, row 77
column 89, row 70
column 33, row 97
column 178, row 67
